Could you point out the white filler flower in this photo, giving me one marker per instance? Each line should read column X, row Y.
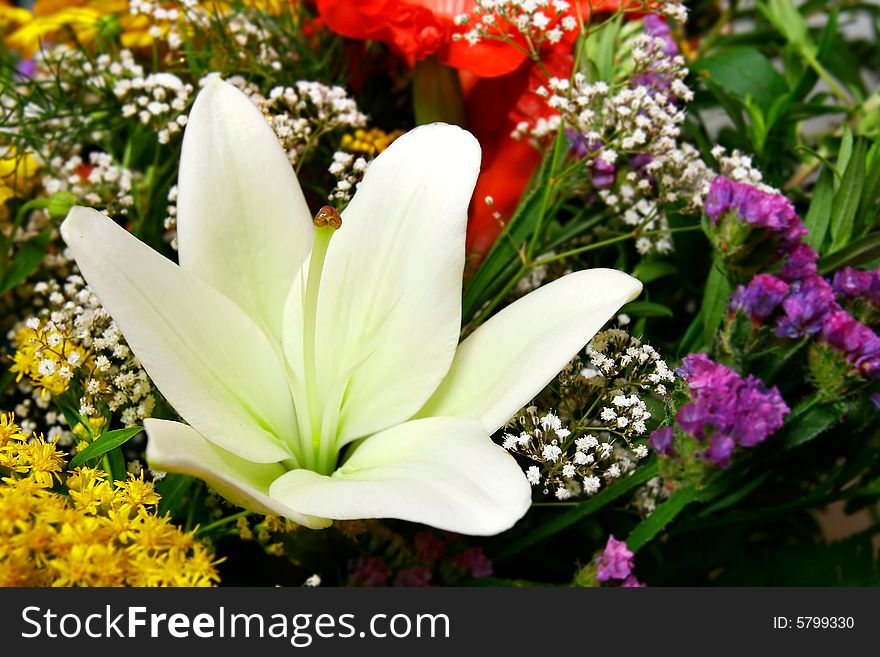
column 317, row 366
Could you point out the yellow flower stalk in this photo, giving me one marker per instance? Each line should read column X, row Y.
column 101, row 533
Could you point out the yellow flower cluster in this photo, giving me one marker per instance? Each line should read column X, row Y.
column 370, row 142
column 17, row 170
column 100, row 533
column 49, row 356
column 58, row 20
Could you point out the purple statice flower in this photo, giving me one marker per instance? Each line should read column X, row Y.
column 801, row 263
column 760, row 412
column 603, row 173
column 720, row 451
column 578, row 145
column 415, row 576
column 805, row 307
column 616, row 562
column 631, row 583
column 727, row 409
column 428, row 548
column 875, row 399
column 658, row 28
column 866, row 357
column 842, row 331
column 660, row 441
column 25, row 68
column 723, row 195
column 849, row 282
column 474, row 562
column 369, row 571
column 760, row 297
column 768, row 210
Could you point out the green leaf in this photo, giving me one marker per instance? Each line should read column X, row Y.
column 729, row 103
column 691, row 341
column 745, row 72
column 26, row 260
column 648, row 271
column 5, row 379
column 647, row 309
column 809, row 425
column 787, row 19
column 606, row 40
column 565, row 520
column 715, row 299
column 104, row 443
column 870, row 191
column 846, row 200
column 646, row 530
column 818, row 216
column 844, row 154
column 861, row 251
column 172, row 488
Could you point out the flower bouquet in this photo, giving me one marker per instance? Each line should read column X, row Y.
column 424, row 292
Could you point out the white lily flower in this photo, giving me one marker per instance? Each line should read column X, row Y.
column 319, row 370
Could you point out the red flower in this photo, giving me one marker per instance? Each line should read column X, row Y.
column 500, row 96
column 416, row 29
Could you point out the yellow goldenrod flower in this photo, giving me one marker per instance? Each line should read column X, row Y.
column 102, row 534
column 58, row 20
column 17, row 170
column 370, row 142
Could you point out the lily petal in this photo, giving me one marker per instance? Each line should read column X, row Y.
column 214, row 365
column 389, row 309
column 444, row 472
column 243, row 225
column 514, row 355
column 176, row 447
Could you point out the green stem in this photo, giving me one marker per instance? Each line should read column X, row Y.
column 823, row 73
column 223, row 521
column 500, row 296
column 584, row 249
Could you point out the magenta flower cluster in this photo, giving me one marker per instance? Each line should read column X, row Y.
column 429, row 554
column 726, row 411
column 802, row 302
column 755, row 207
column 616, row 563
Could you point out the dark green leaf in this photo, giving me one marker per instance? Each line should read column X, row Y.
column 861, row 251
column 715, row 299
column 648, row 271
column 172, row 488
column 745, row 72
column 647, row 309
column 26, row 260
column 846, row 200
column 646, row 530
column 104, row 443
column 870, row 191
column 844, row 154
column 604, row 54
column 818, row 216
column 809, row 425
